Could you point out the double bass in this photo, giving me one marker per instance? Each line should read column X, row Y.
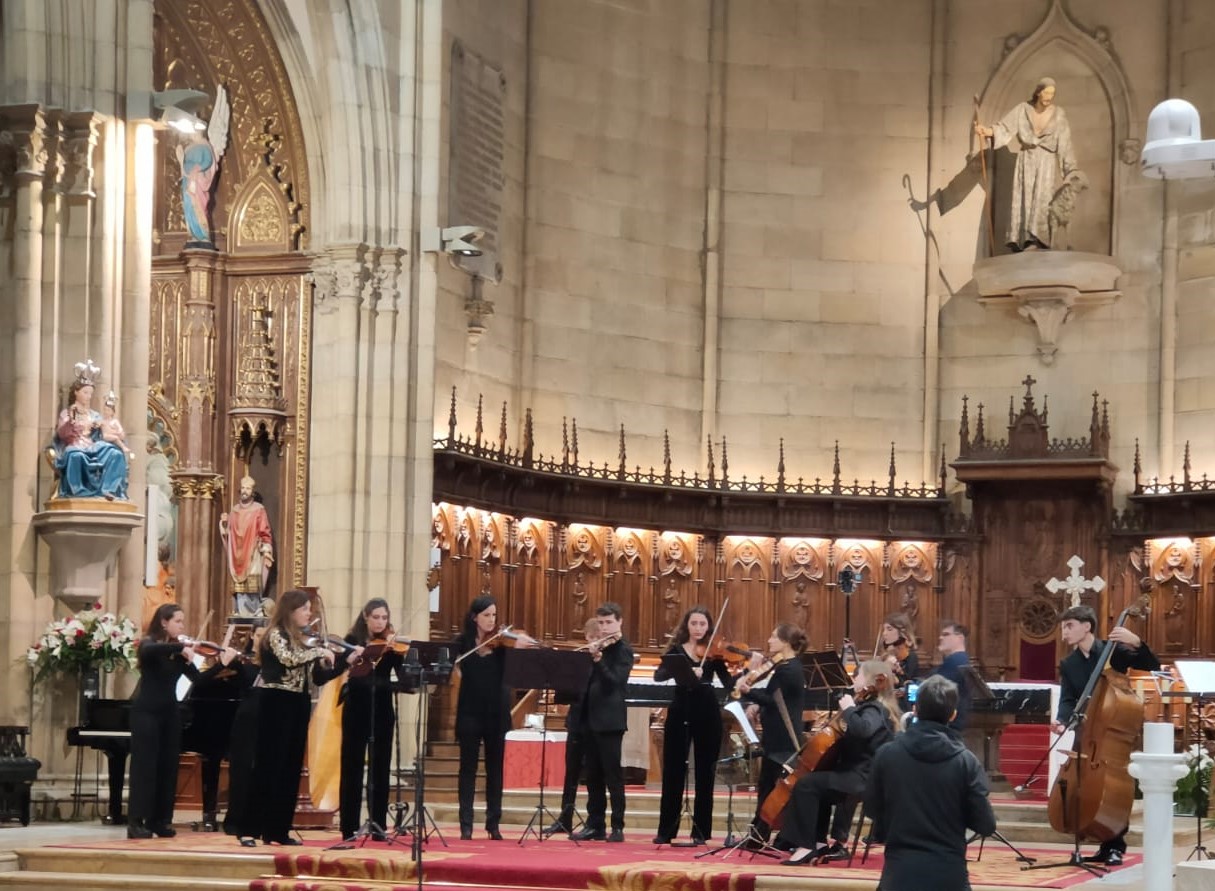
column 1093, row 794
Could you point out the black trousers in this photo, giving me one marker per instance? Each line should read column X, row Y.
column 155, row 751
column 470, row 736
column 243, row 818
column 700, row 731
column 282, row 740
column 356, row 738
column 604, row 776
column 573, row 771
column 808, row 814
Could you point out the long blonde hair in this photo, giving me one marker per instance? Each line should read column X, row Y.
column 879, row 674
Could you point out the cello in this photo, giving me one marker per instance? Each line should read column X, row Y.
column 1093, row 794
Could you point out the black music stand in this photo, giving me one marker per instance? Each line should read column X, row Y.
column 544, row 669
column 679, row 667
column 825, row 673
column 427, row 663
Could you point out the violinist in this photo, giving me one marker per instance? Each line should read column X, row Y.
column 779, row 706
column 867, row 726
column 156, row 722
column 693, row 721
column 482, row 711
column 573, row 745
column 1078, row 628
column 284, row 705
column 372, row 625
column 896, row 644
column 604, row 720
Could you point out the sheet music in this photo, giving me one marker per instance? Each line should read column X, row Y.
column 1199, row 676
column 739, row 712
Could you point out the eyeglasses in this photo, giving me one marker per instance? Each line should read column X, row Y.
column 950, row 634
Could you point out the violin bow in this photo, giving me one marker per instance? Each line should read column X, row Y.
column 202, row 629
column 716, row 628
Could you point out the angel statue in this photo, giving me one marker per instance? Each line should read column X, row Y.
column 199, row 160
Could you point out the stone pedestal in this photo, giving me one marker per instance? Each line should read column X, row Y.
column 85, row 535
column 1046, row 287
column 1157, row 769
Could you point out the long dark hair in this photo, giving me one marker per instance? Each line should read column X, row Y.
column 792, row 635
column 681, row 630
column 468, row 637
column 359, row 629
column 156, row 624
column 288, row 603
column 902, row 623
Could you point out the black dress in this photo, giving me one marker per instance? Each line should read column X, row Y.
column 482, row 716
column 693, row 721
column 779, row 747
column 368, row 696
column 156, row 733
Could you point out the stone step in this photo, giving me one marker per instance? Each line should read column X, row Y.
column 27, row 880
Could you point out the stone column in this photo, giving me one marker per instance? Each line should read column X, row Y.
column 195, row 482
column 24, row 139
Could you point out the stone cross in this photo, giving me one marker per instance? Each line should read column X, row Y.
column 1076, row 584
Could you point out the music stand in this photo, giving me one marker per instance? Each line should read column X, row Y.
column 825, row 673
column 1199, row 679
column 543, row 669
column 427, row 663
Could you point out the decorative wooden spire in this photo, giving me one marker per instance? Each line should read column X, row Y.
column 780, row 469
column 712, row 469
column 528, row 438
column 574, row 442
column 451, row 420
column 890, row 483
column 725, row 465
column 1138, row 467
column 480, row 426
column 621, row 471
column 565, row 443
column 666, row 457
column 502, row 432
column 1185, row 465
column 1094, row 429
column 835, row 470
column 980, row 435
column 942, row 471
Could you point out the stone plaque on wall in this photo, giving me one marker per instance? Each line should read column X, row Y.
column 475, row 178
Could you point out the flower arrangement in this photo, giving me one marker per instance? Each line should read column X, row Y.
column 89, row 638
column 1193, row 792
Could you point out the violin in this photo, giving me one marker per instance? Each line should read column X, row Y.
column 599, row 644
column 208, row 649
column 504, row 636
column 734, row 655
column 332, row 642
column 755, row 675
column 374, row 652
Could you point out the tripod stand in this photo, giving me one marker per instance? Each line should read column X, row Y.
column 1024, row 858
column 373, row 656
column 748, row 839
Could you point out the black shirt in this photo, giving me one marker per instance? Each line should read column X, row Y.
column 1076, row 669
column 786, row 678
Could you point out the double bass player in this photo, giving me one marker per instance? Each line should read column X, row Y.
column 1078, row 627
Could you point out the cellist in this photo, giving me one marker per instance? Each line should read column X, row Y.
column 866, row 727
column 1078, row 628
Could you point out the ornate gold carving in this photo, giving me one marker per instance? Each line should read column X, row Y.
column 303, row 376
column 261, row 221
column 207, row 485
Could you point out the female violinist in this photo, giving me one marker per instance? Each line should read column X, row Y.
column 482, row 711
column 866, row 727
column 372, row 625
column 156, row 722
column 693, row 721
column 779, row 706
column 896, row 645
column 283, row 709
column 1078, row 628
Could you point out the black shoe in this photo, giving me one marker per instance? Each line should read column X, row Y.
column 616, row 836
column 164, row 831
column 286, row 842
column 558, row 827
column 662, row 839
column 1103, row 855
column 836, row 851
column 210, row 823
column 1114, row 859
column 494, row 834
column 589, row 834
column 136, row 831
column 376, row 835
column 465, row 834
column 248, row 842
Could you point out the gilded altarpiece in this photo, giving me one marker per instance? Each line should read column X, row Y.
column 231, row 327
